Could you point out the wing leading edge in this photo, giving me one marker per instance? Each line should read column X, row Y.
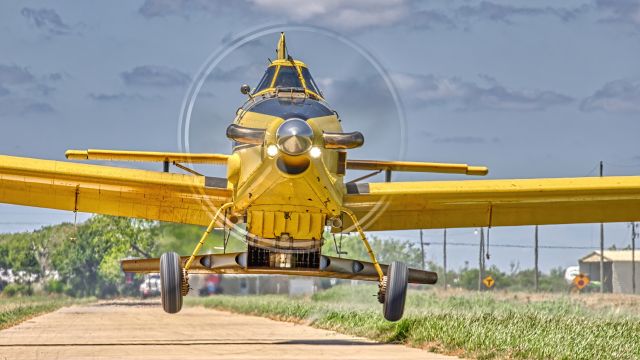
column 111, row 190
column 475, row 203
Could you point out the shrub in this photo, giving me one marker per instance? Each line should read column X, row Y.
column 54, row 286
column 17, row 289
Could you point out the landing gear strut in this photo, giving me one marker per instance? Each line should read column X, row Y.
column 392, row 288
column 174, row 279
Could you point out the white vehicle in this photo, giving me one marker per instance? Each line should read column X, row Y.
column 150, row 287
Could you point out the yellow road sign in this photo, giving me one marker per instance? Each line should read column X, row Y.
column 581, row 280
column 488, row 282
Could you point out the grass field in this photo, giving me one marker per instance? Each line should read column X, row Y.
column 18, row 309
column 467, row 324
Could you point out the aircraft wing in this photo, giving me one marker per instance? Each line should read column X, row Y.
column 144, row 194
column 477, row 203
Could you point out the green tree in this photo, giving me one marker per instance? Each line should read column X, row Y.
column 20, row 258
column 183, row 238
column 386, row 250
column 90, row 265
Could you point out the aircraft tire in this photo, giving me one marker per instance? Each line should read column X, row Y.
column 171, row 282
column 396, row 292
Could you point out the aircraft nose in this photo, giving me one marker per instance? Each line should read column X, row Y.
column 294, row 136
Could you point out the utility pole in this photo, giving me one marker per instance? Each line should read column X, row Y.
column 444, row 250
column 422, row 249
column 634, row 234
column 601, row 247
column 481, row 260
column 535, row 252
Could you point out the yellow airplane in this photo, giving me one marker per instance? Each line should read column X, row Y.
column 286, row 185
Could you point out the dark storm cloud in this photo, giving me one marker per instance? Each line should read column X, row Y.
column 156, row 76
column 47, row 20
column 616, row 96
column 15, row 75
column 466, row 95
column 487, row 10
column 4, row 91
column 623, row 11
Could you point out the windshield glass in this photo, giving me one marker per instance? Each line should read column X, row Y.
column 288, row 78
column 266, row 79
column 311, row 84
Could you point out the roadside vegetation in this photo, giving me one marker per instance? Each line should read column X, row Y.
column 489, row 325
column 15, row 310
column 84, row 259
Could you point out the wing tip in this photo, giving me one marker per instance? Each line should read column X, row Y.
column 76, row 155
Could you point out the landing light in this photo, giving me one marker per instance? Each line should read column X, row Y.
column 315, row 152
column 272, row 150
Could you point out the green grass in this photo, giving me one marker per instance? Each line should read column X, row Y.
column 18, row 309
column 483, row 326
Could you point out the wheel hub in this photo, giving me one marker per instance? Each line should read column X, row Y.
column 184, row 286
column 382, row 290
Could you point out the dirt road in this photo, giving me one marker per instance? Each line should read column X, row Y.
column 141, row 330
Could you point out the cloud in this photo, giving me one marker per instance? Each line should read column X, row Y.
column 465, row 95
column 47, row 20
column 429, row 19
column 237, row 73
column 356, row 15
column 466, row 140
column 156, row 76
column 624, row 11
column 616, row 96
column 42, row 89
column 4, row 91
column 343, row 15
column 487, row 10
column 10, row 106
column 183, row 8
column 460, row 140
column 15, row 75
column 118, row 97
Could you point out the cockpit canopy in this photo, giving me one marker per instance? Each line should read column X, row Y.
column 288, row 74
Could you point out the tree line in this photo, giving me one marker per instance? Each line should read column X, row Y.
column 84, row 259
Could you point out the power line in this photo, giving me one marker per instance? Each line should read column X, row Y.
column 558, row 247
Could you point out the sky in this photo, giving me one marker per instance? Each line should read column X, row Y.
column 529, row 89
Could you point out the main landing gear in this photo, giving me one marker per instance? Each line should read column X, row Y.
column 392, row 288
column 393, row 291
column 174, row 280
column 171, row 281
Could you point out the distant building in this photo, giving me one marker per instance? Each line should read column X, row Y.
column 260, row 284
column 617, row 270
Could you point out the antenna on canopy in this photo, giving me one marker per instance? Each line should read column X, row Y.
column 282, row 48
